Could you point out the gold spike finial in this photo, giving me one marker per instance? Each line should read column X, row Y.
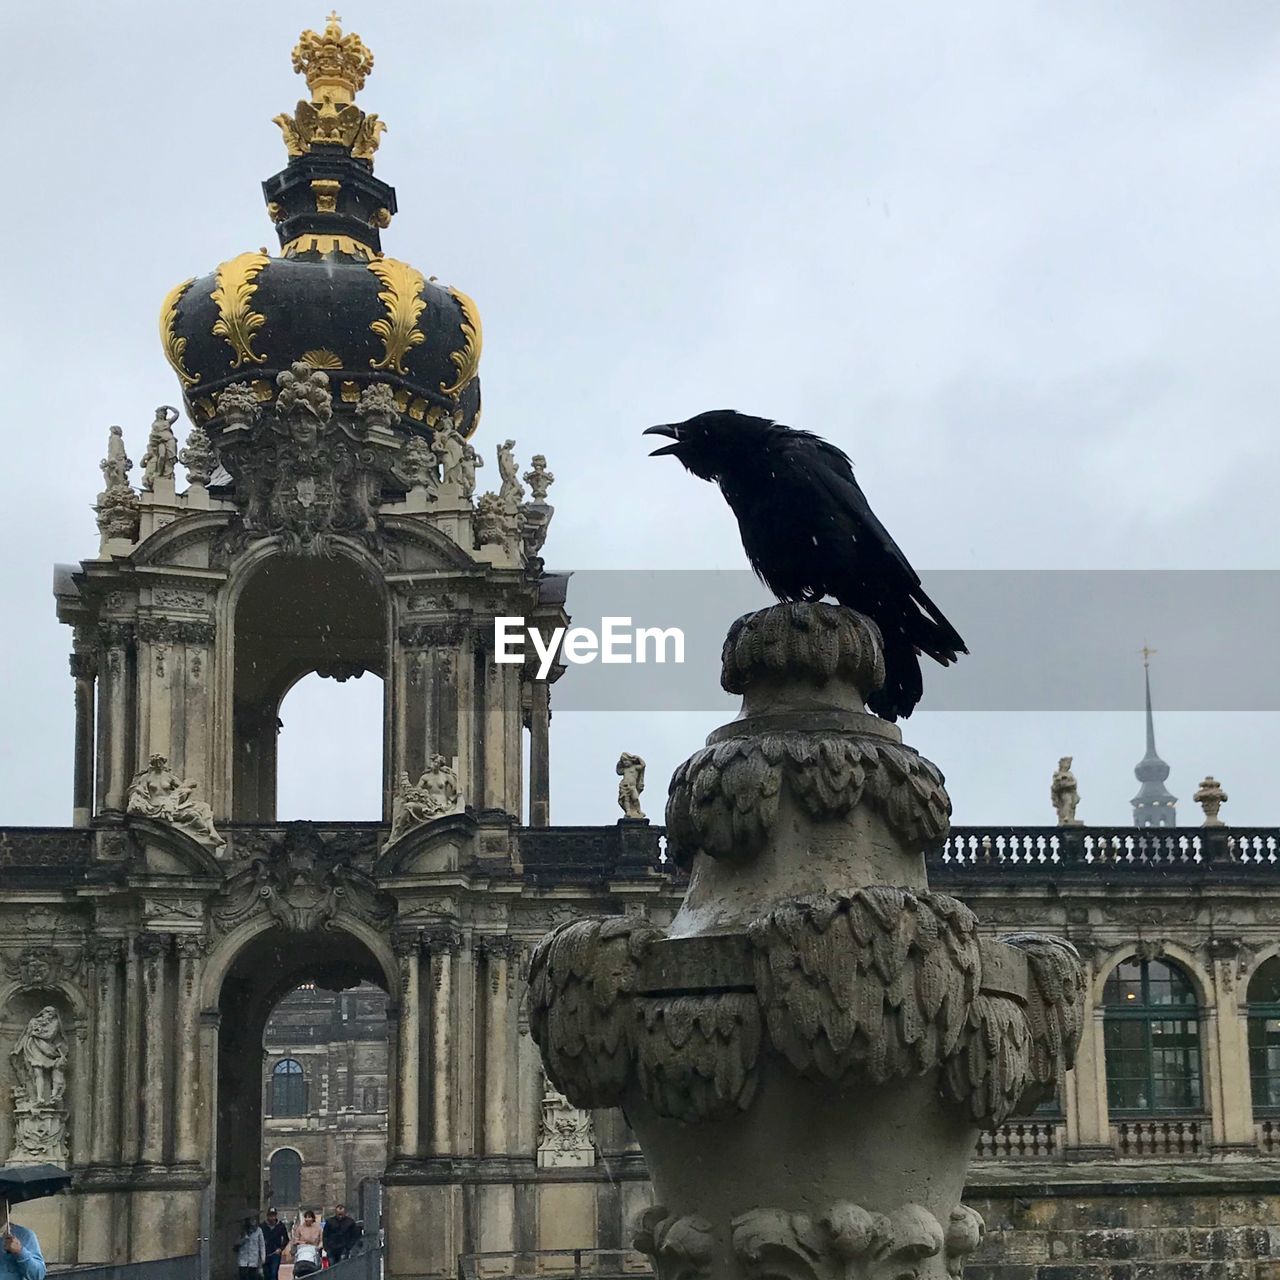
column 334, row 65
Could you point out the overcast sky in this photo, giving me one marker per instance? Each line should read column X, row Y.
column 1020, row 260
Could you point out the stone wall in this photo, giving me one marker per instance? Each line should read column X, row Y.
column 1138, row 1231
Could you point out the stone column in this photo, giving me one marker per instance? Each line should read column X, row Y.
column 808, row 1052
column 1230, row 1102
column 106, row 954
column 131, row 1009
column 442, row 945
column 84, row 670
column 156, row 1049
column 188, row 1091
column 539, row 753
column 408, row 1049
column 500, row 1101
column 114, row 713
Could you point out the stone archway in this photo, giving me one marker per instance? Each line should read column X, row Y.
column 263, row 969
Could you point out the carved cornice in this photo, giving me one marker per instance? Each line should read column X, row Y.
column 431, row 635
column 176, row 631
column 116, row 635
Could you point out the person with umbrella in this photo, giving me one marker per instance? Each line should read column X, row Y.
column 21, row 1257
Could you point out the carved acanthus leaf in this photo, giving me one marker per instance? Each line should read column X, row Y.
column 724, row 799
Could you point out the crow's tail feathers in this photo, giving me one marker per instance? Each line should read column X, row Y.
column 922, row 628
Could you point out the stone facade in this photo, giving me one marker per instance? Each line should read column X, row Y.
column 325, row 1098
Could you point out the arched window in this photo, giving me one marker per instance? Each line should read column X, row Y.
column 1152, row 1037
column 1264, row 1037
column 288, row 1089
column 286, row 1178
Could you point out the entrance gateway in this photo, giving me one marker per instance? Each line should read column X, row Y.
column 329, row 523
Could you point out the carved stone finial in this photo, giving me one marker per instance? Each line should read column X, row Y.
column 237, row 405
column 845, row 1028
column 1211, row 797
column 630, row 773
column 377, row 406
column 157, row 792
column 198, row 456
column 117, row 505
column 538, row 478
column 1064, row 794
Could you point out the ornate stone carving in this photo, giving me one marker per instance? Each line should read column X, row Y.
column 510, row 490
column 1211, row 797
column 162, row 448
column 198, row 455
column 538, row 478
column 304, row 884
column 418, row 466
column 494, row 524
column 117, row 505
column 304, row 475
column 40, row 968
column 566, row 1137
column 724, row 799
column 432, row 796
column 157, row 792
column 377, row 406
column 847, row 1242
column 965, row 1229
column 39, row 1058
column 238, row 406
column 1064, row 793
column 176, row 631
column 630, row 771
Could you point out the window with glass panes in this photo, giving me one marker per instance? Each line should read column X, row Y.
column 1152, row 1037
column 1263, row 998
column 288, row 1089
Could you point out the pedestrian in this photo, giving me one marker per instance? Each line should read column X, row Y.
column 275, row 1238
column 21, row 1257
column 340, row 1234
column 250, row 1251
column 304, row 1246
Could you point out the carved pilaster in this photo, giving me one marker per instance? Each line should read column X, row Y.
column 106, row 955
column 154, row 948
column 190, row 948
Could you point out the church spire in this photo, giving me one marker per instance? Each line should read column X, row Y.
column 1154, row 805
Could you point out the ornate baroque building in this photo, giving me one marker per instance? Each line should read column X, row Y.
column 328, row 522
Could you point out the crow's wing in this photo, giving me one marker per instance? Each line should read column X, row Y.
column 829, row 470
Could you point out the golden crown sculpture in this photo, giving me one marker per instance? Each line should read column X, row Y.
column 335, row 66
column 333, row 61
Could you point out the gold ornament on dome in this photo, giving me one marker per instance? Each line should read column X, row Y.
column 322, row 358
column 402, row 286
column 467, row 357
column 327, row 245
column 335, row 66
column 175, row 346
column 237, row 322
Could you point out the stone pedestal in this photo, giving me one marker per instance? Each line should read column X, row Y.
column 808, row 1053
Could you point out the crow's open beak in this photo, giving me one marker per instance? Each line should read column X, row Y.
column 669, row 432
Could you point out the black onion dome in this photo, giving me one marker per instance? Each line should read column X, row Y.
column 332, row 297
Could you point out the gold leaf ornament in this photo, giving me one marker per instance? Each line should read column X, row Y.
column 175, row 346
column 401, row 295
column 467, row 357
column 237, row 322
column 322, row 358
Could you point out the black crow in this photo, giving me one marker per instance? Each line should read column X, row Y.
column 808, row 531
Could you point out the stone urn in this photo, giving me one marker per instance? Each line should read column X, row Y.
column 808, row 1053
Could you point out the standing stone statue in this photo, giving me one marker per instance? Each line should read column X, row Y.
column 468, row 464
column 117, row 464
column 630, row 772
column 510, row 490
column 157, row 792
column 448, row 445
column 1211, row 797
column 1064, row 794
column 39, row 1058
column 162, row 448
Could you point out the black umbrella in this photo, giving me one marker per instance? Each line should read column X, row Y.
column 21, row 1182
